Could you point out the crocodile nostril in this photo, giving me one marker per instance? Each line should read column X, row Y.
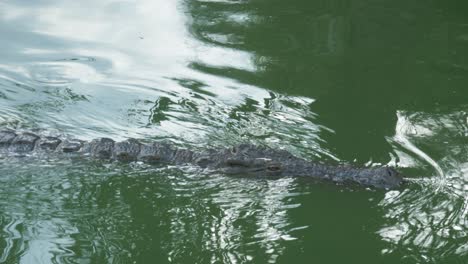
column 391, row 172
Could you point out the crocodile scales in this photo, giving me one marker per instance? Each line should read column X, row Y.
column 242, row 159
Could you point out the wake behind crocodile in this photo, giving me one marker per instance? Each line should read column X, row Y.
column 244, row 159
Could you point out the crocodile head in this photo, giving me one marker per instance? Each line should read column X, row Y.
column 379, row 177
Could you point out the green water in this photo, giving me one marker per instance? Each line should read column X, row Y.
column 370, row 82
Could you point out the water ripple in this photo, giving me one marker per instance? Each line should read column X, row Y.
column 431, row 219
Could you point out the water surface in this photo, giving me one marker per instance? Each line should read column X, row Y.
column 370, row 82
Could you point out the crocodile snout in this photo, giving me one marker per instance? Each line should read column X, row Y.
column 390, row 178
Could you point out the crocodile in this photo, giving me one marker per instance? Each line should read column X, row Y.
column 243, row 159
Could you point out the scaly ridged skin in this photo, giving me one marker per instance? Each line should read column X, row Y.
column 242, row 159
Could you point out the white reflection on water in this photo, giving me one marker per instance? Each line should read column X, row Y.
column 99, row 68
column 405, row 129
column 264, row 202
column 48, row 239
column 152, row 33
column 69, row 211
column 96, row 68
column 431, row 219
column 32, row 203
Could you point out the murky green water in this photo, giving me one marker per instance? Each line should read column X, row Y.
column 368, row 82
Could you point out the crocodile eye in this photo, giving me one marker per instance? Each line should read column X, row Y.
column 274, row 167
